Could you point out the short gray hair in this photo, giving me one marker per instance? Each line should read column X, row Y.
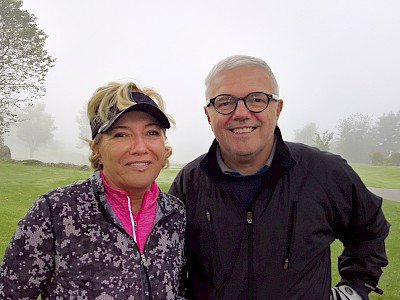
column 235, row 61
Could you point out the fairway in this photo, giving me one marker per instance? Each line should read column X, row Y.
column 20, row 185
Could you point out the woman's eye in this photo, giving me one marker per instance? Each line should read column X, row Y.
column 154, row 132
column 119, row 134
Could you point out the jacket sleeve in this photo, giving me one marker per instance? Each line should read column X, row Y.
column 176, row 189
column 29, row 259
column 182, row 293
column 364, row 255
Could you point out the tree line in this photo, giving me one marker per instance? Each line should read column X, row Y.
column 24, row 64
column 358, row 138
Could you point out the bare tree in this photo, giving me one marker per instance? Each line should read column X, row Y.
column 24, row 62
column 323, row 142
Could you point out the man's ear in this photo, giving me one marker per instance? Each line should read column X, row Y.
column 207, row 114
column 279, row 107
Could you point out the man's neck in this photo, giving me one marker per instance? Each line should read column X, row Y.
column 245, row 165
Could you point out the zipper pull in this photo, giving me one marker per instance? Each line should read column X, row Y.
column 144, row 262
column 208, row 216
column 249, row 217
column 286, row 264
column 373, row 288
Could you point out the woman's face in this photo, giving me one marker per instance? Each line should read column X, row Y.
column 132, row 152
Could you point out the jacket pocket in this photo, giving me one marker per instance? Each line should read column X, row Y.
column 212, row 238
column 290, row 236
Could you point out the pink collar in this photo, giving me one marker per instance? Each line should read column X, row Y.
column 144, row 218
column 117, row 198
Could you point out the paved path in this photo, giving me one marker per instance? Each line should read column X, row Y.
column 390, row 194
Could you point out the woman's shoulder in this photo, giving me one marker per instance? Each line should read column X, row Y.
column 171, row 200
column 72, row 190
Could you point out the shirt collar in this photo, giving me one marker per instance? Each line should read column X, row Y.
column 226, row 170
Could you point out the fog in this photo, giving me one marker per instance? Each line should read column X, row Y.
column 331, row 59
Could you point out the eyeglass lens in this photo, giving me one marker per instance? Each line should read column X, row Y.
column 255, row 102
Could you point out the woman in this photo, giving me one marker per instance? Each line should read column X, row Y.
column 115, row 235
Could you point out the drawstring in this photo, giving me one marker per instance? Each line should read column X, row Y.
column 132, row 220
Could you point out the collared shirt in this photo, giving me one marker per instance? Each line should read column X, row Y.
column 226, row 170
column 244, row 187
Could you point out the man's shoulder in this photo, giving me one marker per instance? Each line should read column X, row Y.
column 312, row 156
column 299, row 149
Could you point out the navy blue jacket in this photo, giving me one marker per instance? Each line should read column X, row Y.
column 280, row 248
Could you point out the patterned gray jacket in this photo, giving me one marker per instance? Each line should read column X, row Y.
column 70, row 245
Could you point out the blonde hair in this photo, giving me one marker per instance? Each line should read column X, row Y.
column 114, row 95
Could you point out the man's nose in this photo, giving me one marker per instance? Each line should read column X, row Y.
column 241, row 110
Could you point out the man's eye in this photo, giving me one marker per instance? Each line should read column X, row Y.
column 224, row 102
column 258, row 100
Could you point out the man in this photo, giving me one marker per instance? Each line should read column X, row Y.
column 262, row 213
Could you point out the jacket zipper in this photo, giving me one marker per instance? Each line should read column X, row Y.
column 249, row 220
column 290, row 234
column 213, row 239
column 142, row 256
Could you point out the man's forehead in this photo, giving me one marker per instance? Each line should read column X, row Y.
column 241, row 78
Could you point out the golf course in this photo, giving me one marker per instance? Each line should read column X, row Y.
column 21, row 182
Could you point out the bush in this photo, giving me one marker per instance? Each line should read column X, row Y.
column 377, row 158
column 5, row 153
column 32, row 162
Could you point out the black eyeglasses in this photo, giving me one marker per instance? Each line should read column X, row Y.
column 255, row 102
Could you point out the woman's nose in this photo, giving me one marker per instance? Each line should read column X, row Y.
column 138, row 145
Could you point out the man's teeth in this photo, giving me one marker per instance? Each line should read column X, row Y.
column 243, row 130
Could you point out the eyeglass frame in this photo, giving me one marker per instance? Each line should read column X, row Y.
column 237, row 99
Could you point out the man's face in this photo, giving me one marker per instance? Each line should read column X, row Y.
column 244, row 137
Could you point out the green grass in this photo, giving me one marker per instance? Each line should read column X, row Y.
column 166, row 177
column 379, row 176
column 20, row 185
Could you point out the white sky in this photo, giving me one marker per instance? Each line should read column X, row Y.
column 331, row 58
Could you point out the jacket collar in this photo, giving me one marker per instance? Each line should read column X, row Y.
column 164, row 205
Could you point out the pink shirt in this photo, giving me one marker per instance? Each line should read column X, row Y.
column 144, row 218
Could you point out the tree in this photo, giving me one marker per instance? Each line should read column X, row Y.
column 323, row 142
column 36, row 127
column 355, row 138
column 306, row 134
column 388, row 133
column 24, row 62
